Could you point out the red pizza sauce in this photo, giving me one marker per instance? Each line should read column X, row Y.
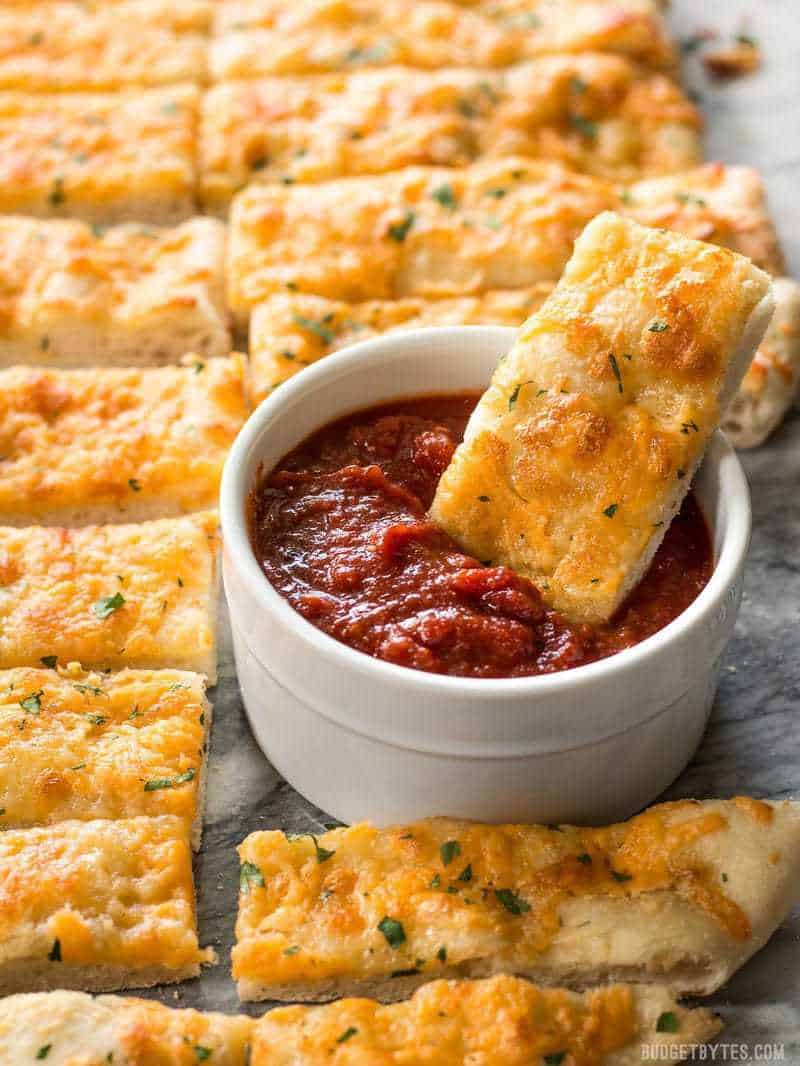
column 340, row 529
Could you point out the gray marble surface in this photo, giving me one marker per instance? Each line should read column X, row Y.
column 753, row 740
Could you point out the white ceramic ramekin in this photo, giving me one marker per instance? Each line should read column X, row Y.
column 365, row 739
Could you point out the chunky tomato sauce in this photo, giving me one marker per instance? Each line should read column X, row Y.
column 340, row 530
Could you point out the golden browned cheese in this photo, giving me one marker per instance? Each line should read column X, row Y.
column 80, row 1030
column 770, row 384
column 502, row 1021
column 183, row 16
column 438, row 232
column 132, row 295
column 77, row 744
column 681, row 894
column 55, row 46
column 101, row 157
column 83, row 446
column 111, row 596
column 99, row 904
column 579, row 453
column 258, row 37
column 598, row 114
column 291, row 331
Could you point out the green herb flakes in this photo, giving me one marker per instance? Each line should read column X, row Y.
column 513, row 903
column 32, row 704
column 658, row 327
column 350, row 1031
column 398, row 231
column 393, row 931
column 444, row 195
column 250, row 875
column 49, row 661
column 667, row 1022
column 106, row 606
column 450, row 850
column 611, row 510
column 169, row 782
column 612, row 359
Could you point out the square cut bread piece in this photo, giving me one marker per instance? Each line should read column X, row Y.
column 579, row 454
column 91, row 446
column 82, row 1030
column 501, row 1021
column 97, row 905
column 434, row 232
column 770, row 385
column 55, row 46
column 681, row 895
column 74, row 295
column 595, row 113
column 291, row 331
column 254, row 38
column 102, row 157
column 111, row 596
column 77, row 744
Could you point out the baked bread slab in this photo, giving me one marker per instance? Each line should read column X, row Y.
column 80, row 1030
column 579, row 454
column 254, row 38
column 83, row 745
column 97, row 905
column 102, row 157
column 597, row 114
column 502, row 1021
column 291, row 331
column 75, row 295
column 111, row 596
column 770, row 384
column 438, row 232
column 681, row 895
column 92, row 446
column 56, row 46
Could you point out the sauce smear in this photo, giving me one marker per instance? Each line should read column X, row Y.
column 340, row 530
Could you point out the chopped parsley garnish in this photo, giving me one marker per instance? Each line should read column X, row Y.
column 32, row 704
column 686, row 426
column 54, row 954
column 620, row 877
column 513, row 903
column 342, row 1038
column 57, row 195
column 611, row 510
column 445, row 196
column 658, row 327
column 135, row 484
column 202, row 1054
column 497, row 193
column 436, row 882
column 44, row 1051
column 249, row 875
column 393, row 931
column 108, row 604
column 466, row 874
column 399, row 230
column 450, row 850
column 295, row 948
column 512, row 399
column 484, row 499
column 408, row 972
column 615, row 370
column 44, row 343
column 585, row 858
column 466, row 109
column 486, row 88
column 198, row 366
column 49, row 661
column 169, row 782
column 97, row 719
column 259, row 162
column 323, row 854
column 555, row 1058
column 585, row 126
column 577, row 84
column 36, row 38
column 320, row 329
column 725, row 877
column 689, row 198
column 667, row 1022
column 441, row 954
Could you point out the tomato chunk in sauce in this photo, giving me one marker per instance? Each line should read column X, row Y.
column 340, row 529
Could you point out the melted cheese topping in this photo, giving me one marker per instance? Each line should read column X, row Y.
column 88, row 745
column 56, row 46
column 57, row 274
column 436, row 232
column 594, row 113
column 642, row 896
column 82, row 1031
column 289, row 332
column 771, row 383
column 118, row 441
column 110, row 596
column 115, row 893
column 587, row 437
column 96, row 155
column 183, row 16
column 500, row 1022
column 257, row 37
